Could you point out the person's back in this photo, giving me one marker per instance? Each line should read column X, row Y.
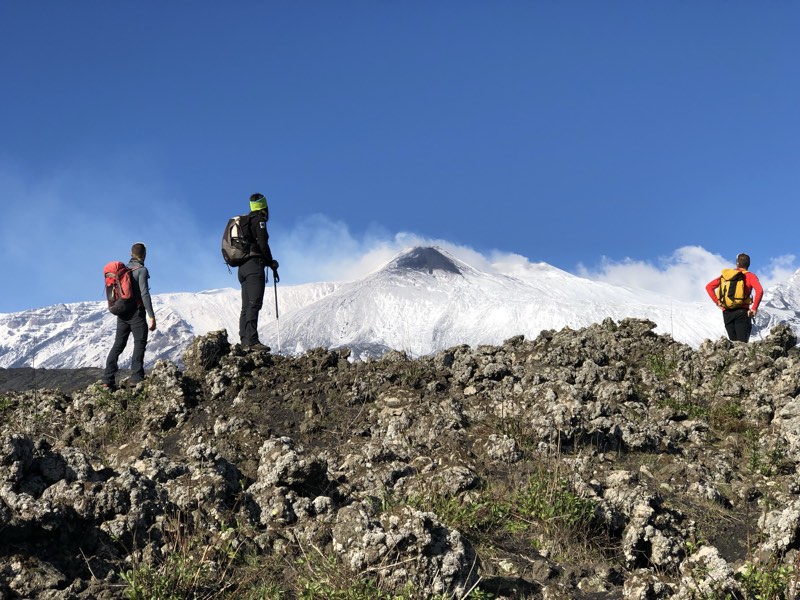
column 732, row 292
column 140, row 276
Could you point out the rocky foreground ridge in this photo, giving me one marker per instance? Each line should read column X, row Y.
column 608, row 462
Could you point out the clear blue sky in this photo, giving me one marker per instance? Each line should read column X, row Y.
column 588, row 135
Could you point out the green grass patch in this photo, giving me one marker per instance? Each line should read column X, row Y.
column 728, row 417
column 663, row 365
column 6, row 404
column 543, row 506
column 474, row 518
column 689, row 407
column 551, row 500
column 768, row 581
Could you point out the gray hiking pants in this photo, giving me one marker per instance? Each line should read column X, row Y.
column 136, row 325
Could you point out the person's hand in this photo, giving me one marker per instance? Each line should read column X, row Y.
column 153, row 324
column 751, row 313
column 274, row 267
column 720, row 306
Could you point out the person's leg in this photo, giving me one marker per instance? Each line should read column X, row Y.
column 120, row 341
column 729, row 318
column 744, row 326
column 251, row 274
column 138, row 325
column 245, row 301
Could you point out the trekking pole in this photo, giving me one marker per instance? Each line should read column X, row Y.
column 277, row 321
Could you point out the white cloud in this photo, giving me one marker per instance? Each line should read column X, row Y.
column 320, row 249
column 684, row 274
column 58, row 231
column 779, row 269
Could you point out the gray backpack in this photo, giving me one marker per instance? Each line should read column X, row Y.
column 236, row 241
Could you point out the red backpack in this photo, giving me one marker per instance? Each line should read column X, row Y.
column 120, row 291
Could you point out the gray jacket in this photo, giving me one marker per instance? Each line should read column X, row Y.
column 140, row 277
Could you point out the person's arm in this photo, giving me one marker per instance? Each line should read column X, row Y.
column 752, row 281
column 142, row 276
column 262, row 240
column 711, row 286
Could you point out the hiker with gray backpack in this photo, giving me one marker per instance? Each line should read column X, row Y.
column 732, row 292
column 245, row 244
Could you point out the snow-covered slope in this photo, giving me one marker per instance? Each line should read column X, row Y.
column 81, row 334
column 781, row 304
column 422, row 301
column 425, row 301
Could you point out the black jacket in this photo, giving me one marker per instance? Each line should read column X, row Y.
column 258, row 231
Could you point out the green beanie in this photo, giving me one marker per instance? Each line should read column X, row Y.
column 258, row 202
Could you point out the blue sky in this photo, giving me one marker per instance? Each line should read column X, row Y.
column 625, row 141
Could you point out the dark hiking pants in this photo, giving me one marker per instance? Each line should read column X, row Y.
column 738, row 324
column 253, row 279
column 136, row 325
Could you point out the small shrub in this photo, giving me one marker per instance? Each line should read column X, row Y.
column 663, row 365
column 691, row 409
column 6, row 404
column 550, row 500
column 728, row 417
column 324, row 577
column 768, row 581
column 197, row 565
column 767, row 462
column 484, row 514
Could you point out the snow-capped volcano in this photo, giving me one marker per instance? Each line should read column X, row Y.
column 425, row 300
column 422, row 301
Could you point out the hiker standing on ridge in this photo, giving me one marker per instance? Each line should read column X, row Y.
column 134, row 323
column 734, row 288
column 251, row 273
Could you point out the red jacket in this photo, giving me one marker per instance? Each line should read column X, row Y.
column 751, row 283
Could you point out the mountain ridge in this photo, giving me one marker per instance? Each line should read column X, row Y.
column 421, row 301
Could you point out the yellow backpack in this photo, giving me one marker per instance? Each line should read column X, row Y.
column 732, row 291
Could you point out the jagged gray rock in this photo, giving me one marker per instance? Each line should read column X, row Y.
column 475, row 466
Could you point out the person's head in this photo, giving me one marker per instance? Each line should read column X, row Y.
column 138, row 251
column 258, row 202
column 743, row 261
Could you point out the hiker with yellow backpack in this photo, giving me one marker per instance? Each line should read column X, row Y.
column 732, row 292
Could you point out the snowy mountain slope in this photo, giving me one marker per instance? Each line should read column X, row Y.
column 422, row 301
column 219, row 309
column 781, row 304
column 80, row 334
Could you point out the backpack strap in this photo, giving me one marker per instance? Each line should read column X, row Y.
column 244, row 227
column 137, row 293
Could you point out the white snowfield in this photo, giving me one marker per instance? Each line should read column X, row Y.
column 422, row 301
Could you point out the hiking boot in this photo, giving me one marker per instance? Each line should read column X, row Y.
column 130, row 382
column 108, row 386
column 257, row 347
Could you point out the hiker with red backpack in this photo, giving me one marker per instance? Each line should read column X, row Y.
column 732, row 292
column 128, row 294
column 246, row 245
